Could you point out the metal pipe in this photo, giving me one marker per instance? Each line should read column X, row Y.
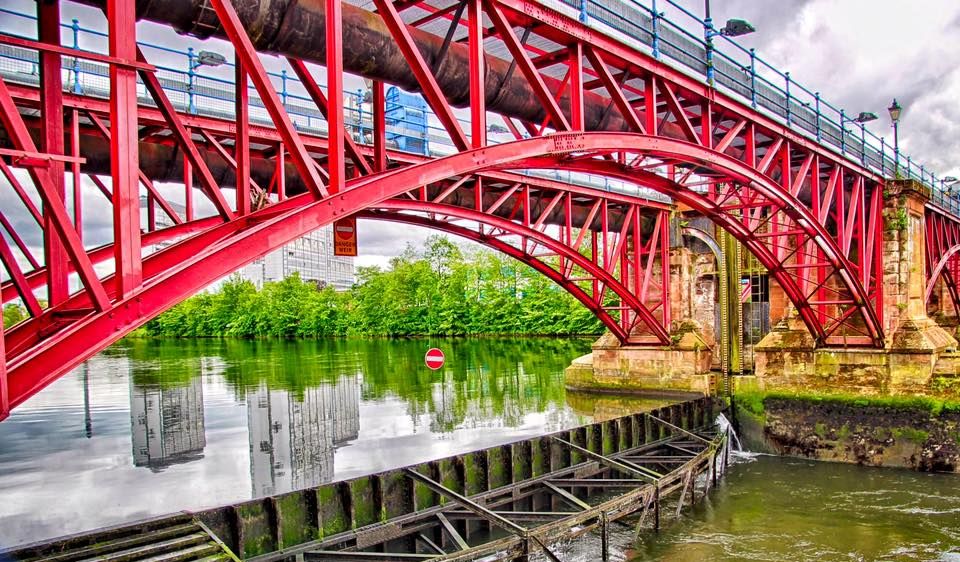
column 297, row 28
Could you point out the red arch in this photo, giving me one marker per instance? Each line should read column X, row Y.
column 645, row 315
column 940, row 270
column 176, row 272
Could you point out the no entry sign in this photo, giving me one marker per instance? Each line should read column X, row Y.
column 434, row 358
column 345, row 237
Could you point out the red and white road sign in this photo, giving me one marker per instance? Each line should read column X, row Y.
column 345, row 237
column 434, row 358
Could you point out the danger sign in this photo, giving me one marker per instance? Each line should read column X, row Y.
column 345, row 237
column 434, row 358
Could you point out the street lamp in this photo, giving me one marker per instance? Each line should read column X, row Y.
column 894, row 110
column 195, row 61
column 733, row 28
column 863, row 117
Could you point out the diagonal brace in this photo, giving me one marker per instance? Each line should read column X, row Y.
column 635, row 471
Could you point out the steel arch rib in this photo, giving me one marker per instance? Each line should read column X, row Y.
column 624, row 293
column 727, row 222
column 190, row 265
column 511, row 251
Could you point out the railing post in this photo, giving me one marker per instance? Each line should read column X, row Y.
column 787, row 77
column 883, row 156
column 75, row 28
column 191, row 108
column 655, row 22
column 708, row 47
column 583, row 11
column 753, row 78
column 863, row 144
column 819, row 132
column 283, row 88
column 843, row 132
column 909, row 165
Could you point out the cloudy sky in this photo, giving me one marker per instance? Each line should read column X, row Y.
column 859, row 54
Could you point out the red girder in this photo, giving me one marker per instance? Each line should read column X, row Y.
column 942, row 247
column 811, row 217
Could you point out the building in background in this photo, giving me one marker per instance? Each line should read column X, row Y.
column 310, row 256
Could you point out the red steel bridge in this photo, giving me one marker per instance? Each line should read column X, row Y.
column 564, row 135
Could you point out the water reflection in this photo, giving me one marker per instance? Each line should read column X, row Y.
column 166, row 425
column 292, row 438
column 151, row 427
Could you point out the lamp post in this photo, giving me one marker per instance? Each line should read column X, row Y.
column 195, row 61
column 733, row 28
column 894, row 110
column 863, row 117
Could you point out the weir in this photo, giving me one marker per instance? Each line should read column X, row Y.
column 501, row 503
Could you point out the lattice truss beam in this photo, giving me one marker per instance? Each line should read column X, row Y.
column 570, row 99
column 942, row 247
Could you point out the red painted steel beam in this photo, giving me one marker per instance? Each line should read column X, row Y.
column 15, row 127
column 124, row 159
column 420, row 68
column 316, row 94
column 51, row 142
column 495, row 243
column 247, row 55
column 567, row 252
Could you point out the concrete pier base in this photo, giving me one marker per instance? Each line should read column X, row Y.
column 681, row 367
column 787, row 359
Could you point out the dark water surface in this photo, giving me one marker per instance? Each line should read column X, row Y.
column 150, row 427
column 776, row 509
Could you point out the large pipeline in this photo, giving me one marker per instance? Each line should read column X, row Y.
column 297, row 28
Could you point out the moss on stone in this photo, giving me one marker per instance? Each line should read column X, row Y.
column 911, row 434
column 753, row 401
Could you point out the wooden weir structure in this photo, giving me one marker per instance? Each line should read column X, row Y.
column 508, row 502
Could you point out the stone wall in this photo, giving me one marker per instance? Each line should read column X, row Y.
column 913, row 433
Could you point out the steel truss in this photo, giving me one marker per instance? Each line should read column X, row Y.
column 942, row 247
column 810, row 216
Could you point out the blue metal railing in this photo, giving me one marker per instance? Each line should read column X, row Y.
column 738, row 70
column 729, row 66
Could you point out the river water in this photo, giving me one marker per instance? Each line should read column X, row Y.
column 150, row 427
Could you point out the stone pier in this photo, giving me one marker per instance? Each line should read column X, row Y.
column 788, row 359
column 684, row 366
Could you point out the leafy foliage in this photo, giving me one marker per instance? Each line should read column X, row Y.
column 438, row 290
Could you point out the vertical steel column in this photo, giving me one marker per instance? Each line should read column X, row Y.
column 243, row 47
column 188, row 190
column 576, row 86
column 665, row 267
column 75, row 172
column 335, row 140
column 241, row 150
column 4, row 387
column 379, row 128
column 124, row 159
column 478, row 101
column 51, row 141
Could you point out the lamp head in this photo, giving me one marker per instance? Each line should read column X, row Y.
column 865, row 117
column 210, row 58
column 737, row 27
column 894, row 110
